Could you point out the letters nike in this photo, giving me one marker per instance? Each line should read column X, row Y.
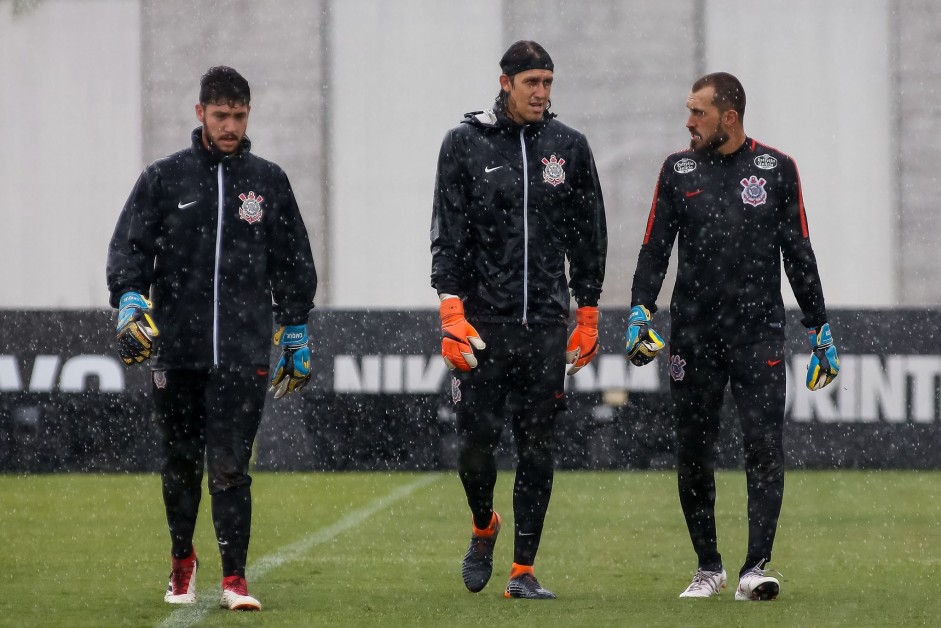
column 182, row 205
column 488, row 169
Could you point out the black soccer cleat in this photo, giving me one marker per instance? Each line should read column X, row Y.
column 477, row 566
column 526, row 587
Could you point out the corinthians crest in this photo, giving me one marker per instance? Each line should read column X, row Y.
column 754, row 193
column 250, row 211
column 553, row 173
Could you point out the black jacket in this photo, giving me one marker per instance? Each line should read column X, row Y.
column 213, row 262
column 736, row 216
column 511, row 203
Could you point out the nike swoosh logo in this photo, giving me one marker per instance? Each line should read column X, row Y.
column 182, row 205
column 773, row 362
column 693, row 193
column 492, row 169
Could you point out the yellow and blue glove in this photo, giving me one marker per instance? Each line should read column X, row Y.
column 136, row 329
column 293, row 369
column 824, row 361
column 643, row 343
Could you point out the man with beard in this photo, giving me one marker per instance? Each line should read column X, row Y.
column 517, row 195
column 735, row 205
column 209, row 242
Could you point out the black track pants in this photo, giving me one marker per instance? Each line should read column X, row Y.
column 210, row 416
column 699, row 374
column 519, row 376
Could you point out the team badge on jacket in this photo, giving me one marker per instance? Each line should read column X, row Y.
column 250, row 211
column 754, row 193
column 684, row 165
column 553, row 173
column 455, row 389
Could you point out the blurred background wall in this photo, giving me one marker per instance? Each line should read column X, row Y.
column 353, row 97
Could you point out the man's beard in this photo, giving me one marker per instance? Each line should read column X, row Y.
column 717, row 139
column 213, row 147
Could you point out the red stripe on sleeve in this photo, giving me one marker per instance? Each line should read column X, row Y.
column 653, row 212
column 800, row 202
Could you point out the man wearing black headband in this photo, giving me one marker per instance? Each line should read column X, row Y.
column 517, row 194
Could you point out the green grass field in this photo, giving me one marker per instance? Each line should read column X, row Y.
column 363, row 549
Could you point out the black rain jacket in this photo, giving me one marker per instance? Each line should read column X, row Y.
column 219, row 244
column 513, row 202
column 736, row 217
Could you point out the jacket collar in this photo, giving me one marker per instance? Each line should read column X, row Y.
column 497, row 118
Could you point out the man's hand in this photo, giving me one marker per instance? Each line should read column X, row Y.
column 293, row 369
column 136, row 329
column 458, row 336
column 824, row 361
column 583, row 343
column 643, row 343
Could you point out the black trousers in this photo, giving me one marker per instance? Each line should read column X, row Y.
column 519, row 377
column 209, row 418
column 699, row 374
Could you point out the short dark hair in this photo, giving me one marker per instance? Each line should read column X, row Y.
column 223, row 85
column 729, row 91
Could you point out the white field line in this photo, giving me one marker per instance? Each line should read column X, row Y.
column 192, row 615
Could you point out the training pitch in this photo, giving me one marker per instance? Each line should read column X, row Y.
column 359, row 549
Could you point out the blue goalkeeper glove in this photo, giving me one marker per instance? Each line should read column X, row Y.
column 824, row 361
column 136, row 329
column 643, row 343
column 293, row 369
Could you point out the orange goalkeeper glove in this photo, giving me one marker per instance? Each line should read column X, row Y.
column 583, row 343
column 458, row 337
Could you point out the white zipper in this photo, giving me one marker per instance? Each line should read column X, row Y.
column 525, row 227
column 215, row 276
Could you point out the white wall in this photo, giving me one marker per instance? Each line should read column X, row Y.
column 818, row 82
column 403, row 73
column 818, row 76
column 70, row 110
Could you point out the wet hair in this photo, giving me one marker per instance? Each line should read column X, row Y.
column 729, row 93
column 221, row 85
column 519, row 57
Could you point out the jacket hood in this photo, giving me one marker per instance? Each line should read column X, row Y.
column 496, row 117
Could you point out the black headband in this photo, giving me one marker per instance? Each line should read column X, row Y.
column 525, row 55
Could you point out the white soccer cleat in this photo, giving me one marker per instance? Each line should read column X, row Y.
column 182, row 586
column 235, row 595
column 755, row 586
column 705, row 584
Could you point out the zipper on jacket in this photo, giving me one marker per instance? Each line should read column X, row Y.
column 215, row 274
column 525, row 227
